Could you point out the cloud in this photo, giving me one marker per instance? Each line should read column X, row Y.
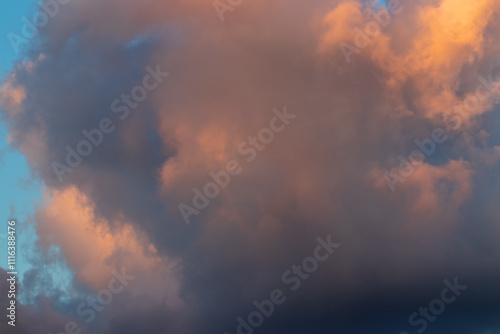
column 324, row 174
column 94, row 247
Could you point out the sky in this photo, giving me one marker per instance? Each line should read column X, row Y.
column 186, row 167
column 19, row 190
